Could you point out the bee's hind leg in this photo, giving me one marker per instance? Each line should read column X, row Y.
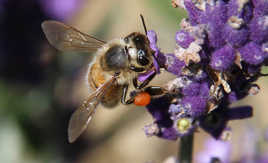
column 155, row 90
column 124, row 95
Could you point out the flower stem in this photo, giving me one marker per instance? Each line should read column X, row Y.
column 186, row 149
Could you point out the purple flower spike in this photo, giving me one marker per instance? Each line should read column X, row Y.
column 173, row 64
column 183, row 39
column 252, row 53
column 223, row 58
column 220, row 50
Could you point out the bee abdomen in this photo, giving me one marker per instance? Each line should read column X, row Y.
column 96, row 77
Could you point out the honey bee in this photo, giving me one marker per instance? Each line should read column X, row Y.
column 115, row 66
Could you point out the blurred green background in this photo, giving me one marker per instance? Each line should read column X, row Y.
column 40, row 87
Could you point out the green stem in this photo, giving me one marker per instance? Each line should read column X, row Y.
column 186, row 149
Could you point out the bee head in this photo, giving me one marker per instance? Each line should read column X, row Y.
column 138, row 48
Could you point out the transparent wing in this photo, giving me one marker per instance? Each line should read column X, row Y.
column 82, row 116
column 67, row 38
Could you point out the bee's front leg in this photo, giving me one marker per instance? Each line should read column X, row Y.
column 144, row 83
column 136, row 69
column 124, row 95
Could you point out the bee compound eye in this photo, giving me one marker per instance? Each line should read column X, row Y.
column 142, row 59
column 141, row 53
column 126, row 40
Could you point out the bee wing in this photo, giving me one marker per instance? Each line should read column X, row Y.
column 82, row 116
column 67, row 38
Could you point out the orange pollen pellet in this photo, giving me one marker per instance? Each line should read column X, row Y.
column 142, row 99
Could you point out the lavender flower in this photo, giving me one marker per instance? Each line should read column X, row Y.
column 219, row 52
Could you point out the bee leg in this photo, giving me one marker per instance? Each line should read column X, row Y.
column 135, row 83
column 155, row 90
column 136, row 69
column 124, row 95
column 146, row 82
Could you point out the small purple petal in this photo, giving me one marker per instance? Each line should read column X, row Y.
column 195, row 105
column 259, row 29
column 215, row 17
column 146, row 75
column 223, row 58
column 239, row 112
column 204, row 90
column 252, row 53
column 237, row 8
column 156, row 65
column 192, row 89
column 151, row 34
column 174, row 109
column 159, row 110
column 261, row 8
column 151, row 129
column 215, row 122
column 184, row 39
column 173, row 64
column 235, row 37
column 161, row 59
column 193, row 12
column 168, row 133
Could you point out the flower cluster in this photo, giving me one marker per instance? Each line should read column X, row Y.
column 219, row 52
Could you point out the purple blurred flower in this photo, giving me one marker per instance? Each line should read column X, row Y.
column 249, row 151
column 215, row 150
column 61, row 9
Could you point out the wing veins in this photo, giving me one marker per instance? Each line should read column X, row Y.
column 83, row 115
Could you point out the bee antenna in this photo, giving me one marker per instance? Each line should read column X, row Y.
column 143, row 23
